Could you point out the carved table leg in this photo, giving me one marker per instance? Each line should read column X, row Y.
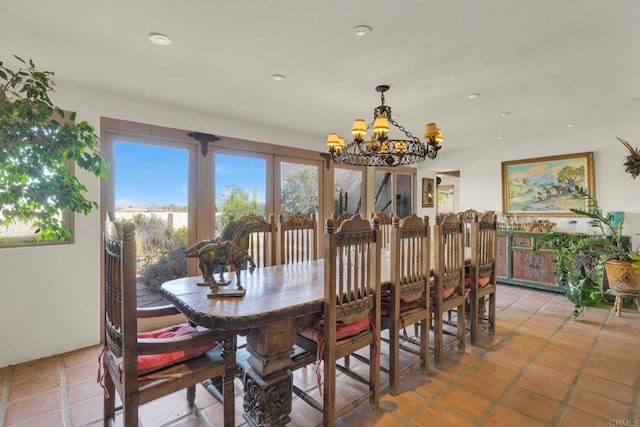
column 268, row 381
column 267, row 402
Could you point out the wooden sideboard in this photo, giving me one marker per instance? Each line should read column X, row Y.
column 519, row 264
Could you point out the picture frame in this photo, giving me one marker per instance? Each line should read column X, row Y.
column 545, row 186
column 428, row 191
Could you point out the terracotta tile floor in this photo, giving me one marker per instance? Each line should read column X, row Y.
column 542, row 368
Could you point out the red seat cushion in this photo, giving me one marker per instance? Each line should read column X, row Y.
column 386, row 304
column 152, row 362
column 446, row 293
column 342, row 331
column 482, row 281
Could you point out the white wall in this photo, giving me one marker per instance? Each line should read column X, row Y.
column 49, row 296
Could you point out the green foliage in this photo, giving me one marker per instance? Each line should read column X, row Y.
column 237, row 204
column 38, row 144
column 636, row 261
column 154, row 240
column 172, row 266
column 580, row 258
column 300, row 192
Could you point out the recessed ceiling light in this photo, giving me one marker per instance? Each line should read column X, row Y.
column 572, row 125
column 473, row 95
column 159, row 39
column 500, row 136
column 278, row 77
column 505, row 114
column 362, row 30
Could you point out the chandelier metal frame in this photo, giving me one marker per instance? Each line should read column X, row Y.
column 382, row 150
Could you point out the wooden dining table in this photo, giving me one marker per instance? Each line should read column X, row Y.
column 279, row 302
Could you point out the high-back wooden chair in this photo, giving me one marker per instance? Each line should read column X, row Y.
column 262, row 241
column 385, row 220
column 298, row 238
column 468, row 217
column 408, row 297
column 483, row 275
column 351, row 313
column 448, row 284
column 339, row 218
column 142, row 367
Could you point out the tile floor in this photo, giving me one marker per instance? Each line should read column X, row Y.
column 542, row 368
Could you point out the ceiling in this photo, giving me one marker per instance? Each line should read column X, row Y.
column 548, row 63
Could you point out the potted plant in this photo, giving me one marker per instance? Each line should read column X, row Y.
column 581, row 258
column 40, row 146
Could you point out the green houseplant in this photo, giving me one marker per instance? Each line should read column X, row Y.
column 580, row 258
column 632, row 167
column 40, row 145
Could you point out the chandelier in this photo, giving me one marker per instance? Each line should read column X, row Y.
column 382, row 150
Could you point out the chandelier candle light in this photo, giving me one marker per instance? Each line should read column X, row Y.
column 381, row 150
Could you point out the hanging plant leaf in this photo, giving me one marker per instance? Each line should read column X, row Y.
column 632, row 162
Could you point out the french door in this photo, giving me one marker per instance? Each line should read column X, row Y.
column 247, row 182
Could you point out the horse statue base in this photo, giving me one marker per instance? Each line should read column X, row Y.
column 223, row 293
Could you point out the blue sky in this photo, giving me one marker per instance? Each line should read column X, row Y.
column 147, row 175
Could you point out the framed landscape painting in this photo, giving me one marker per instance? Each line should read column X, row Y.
column 546, row 186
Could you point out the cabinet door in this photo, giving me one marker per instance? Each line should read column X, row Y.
column 531, row 266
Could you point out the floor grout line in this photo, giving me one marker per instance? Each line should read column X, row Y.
column 4, row 403
column 64, row 391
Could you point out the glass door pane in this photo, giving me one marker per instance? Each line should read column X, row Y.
column 404, row 195
column 382, row 196
column 240, row 187
column 151, row 189
column 347, row 191
column 299, row 188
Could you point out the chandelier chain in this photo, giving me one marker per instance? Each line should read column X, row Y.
column 403, row 130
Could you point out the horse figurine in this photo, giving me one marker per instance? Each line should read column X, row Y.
column 231, row 248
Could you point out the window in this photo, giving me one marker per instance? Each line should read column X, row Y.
column 347, row 191
column 19, row 233
column 164, row 170
column 151, row 190
column 445, row 198
column 394, row 192
column 299, row 188
column 238, row 177
column 240, row 186
column 24, row 234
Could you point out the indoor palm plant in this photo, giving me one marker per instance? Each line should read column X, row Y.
column 40, row 144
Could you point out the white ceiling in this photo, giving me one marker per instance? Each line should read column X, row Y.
column 547, row 62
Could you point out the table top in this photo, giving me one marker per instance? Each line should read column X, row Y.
column 272, row 293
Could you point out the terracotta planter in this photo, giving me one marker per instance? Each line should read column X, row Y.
column 622, row 276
